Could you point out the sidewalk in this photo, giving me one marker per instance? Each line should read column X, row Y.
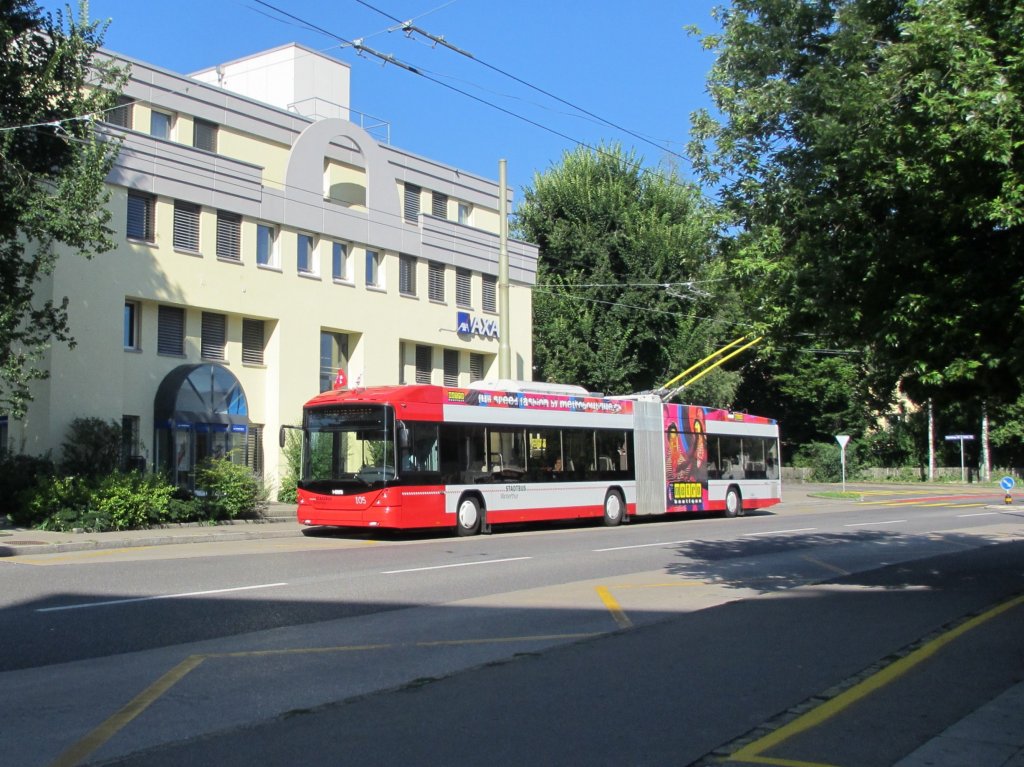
column 279, row 522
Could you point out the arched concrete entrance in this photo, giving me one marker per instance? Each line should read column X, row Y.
column 200, row 411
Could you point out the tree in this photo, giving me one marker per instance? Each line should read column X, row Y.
column 869, row 159
column 53, row 164
column 626, row 264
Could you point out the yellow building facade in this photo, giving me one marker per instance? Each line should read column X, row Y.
column 266, row 241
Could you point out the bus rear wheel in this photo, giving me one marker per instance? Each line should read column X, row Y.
column 733, row 502
column 467, row 517
column 614, row 508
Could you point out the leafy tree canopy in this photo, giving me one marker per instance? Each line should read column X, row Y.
column 869, row 157
column 626, row 266
column 52, row 168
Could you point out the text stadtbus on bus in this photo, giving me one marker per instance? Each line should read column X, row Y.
column 422, row 456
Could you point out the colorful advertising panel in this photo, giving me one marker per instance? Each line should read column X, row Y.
column 686, row 469
column 538, row 401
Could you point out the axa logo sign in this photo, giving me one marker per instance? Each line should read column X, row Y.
column 476, row 326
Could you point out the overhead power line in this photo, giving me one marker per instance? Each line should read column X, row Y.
column 391, row 59
column 410, row 28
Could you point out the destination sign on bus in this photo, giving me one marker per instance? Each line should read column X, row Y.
column 533, row 401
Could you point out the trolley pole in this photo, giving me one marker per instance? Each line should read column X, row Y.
column 504, row 346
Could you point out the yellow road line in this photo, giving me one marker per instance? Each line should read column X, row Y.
column 81, row 750
column 752, row 752
column 613, row 606
column 826, row 565
column 136, row 706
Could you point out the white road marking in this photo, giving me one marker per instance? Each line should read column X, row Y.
column 780, row 532
column 868, row 524
column 459, row 564
column 643, row 546
column 161, row 596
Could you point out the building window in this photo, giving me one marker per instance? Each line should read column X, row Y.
column 266, row 245
column 436, row 281
column 490, row 293
column 373, row 269
column 333, row 357
column 464, row 287
column 130, row 458
column 412, row 202
column 451, row 367
column 140, row 216
column 186, row 226
column 121, row 115
column 204, row 135
column 304, row 251
column 476, row 367
column 407, row 275
column 132, row 318
column 439, row 204
column 214, row 336
column 171, row 331
column 229, row 236
column 424, row 364
column 401, row 363
column 339, row 261
column 465, row 211
column 253, row 342
column 159, row 124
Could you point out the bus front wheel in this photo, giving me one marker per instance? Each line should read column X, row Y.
column 467, row 517
column 614, row 508
column 733, row 503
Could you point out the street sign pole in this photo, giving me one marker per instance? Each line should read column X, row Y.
column 842, row 439
column 961, row 438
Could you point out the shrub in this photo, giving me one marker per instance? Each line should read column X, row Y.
column 231, row 490
column 57, row 503
column 131, row 501
column 823, row 459
column 293, row 458
column 92, row 447
column 19, row 475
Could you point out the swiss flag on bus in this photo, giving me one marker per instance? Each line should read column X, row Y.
column 339, row 380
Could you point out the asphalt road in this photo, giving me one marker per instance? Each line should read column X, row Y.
column 655, row 643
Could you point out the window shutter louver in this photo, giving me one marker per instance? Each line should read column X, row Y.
column 252, row 342
column 439, row 205
column 229, row 236
column 186, row 226
column 213, row 340
column 412, row 202
column 476, row 367
column 171, row 331
column 140, row 217
column 436, row 286
column 407, row 275
column 424, row 364
column 490, row 293
column 451, row 367
column 463, row 287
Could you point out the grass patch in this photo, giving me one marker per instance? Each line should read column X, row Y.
column 838, row 495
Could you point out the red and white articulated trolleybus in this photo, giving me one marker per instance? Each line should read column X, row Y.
column 422, row 456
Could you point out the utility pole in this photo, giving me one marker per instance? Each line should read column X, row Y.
column 504, row 347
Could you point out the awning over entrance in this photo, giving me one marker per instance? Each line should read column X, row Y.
column 200, row 394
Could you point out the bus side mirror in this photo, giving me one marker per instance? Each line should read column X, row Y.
column 403, row 436
column 281, row 434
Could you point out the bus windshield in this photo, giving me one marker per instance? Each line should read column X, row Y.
column 348, row 447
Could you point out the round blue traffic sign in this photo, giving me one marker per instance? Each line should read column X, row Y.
column 1006, row 483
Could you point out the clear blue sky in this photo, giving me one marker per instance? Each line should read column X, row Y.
column 631, row 64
